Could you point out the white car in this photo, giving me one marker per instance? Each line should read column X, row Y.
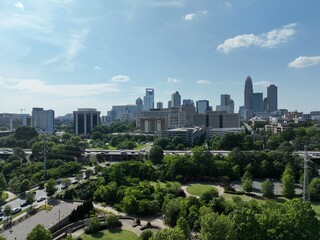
column 39, row 199
column 16, row 210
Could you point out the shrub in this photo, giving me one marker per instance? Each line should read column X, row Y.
column 113, row 221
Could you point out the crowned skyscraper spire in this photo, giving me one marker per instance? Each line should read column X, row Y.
column 248, row 96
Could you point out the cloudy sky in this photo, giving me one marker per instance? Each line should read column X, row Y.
column 66, row 54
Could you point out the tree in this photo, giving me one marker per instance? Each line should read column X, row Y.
column 24, row 185
column 25, row 133
column 146, row 235
column 247, row 183
column 113, row 221
column 51, row 187
column 216, row 227
column 314, row 189
column 94, row 225
column 3, row 183
column 39, row 232
column 7, row 211
column 267, row 189
column 30, row 197
column 168, row 234
column 184, row 226
column 288, row 182
column 208, row 195
column 156, row 154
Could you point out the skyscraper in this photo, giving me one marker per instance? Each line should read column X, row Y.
column 148, row 99
column 226, row 104
column 272, row 95
column 202, row 106
column 43, row 120
column 159, row 105
column 139, row 104
column 257, row 102
column 248, row 97
column 175, row 100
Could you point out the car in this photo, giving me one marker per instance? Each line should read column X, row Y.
column 24, row 204
column 75, row 181
column 64, row 187
column 16, row 210
column 107, row 164
column 39, row 199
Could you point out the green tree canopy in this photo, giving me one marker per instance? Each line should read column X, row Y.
column 156, row 154
column 39, row 232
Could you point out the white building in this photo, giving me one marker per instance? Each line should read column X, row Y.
column 43, row 120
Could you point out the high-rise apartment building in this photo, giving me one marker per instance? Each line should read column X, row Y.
column 248, row 96
column 272, row 96
column 43, row 120
column 85, row 119
column 257, row 102
column 189, row 108
column 202, row 106
column 148, row 99
column 175, row 100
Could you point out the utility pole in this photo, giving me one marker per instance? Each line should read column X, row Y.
column 306, row 195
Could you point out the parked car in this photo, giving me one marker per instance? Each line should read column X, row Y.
column 39, row 199
column 24, row 204
column 16, row 210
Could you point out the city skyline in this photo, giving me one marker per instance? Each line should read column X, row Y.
column 65, row 54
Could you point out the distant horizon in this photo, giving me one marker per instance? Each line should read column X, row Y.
column 67, row 54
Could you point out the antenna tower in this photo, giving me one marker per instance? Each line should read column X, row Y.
column 306, row 195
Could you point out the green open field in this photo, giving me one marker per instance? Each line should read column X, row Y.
column 162, row 184
column 198, row 189
column 116, row 234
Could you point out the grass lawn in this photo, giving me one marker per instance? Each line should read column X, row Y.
column 198, row 189
column 316, row 207
column 162, row 184
column 140, row 146
column 4, row 196
column 116, row 234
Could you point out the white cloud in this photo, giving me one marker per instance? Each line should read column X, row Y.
column 121, row 78
column 19, row 5
column 262, row 83
column 173, row 80
column 203, row 82
column 303, row 62
column 97, row 68
column 36, row 86
column 266, row 40
column 191, row 16
column 75, row 46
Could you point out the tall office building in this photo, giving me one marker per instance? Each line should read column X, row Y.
column 272, row 96
column 188, row 107
column 248, row 94
column 202, row 106
column 85, row 119
column 159, row 105
column 257, row 102
column 175, row 100
column 226, row 104
column 139, row 104
column 43, row 120
column 248, row 98
column 148, row 99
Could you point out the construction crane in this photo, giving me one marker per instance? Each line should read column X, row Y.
column 21, row 109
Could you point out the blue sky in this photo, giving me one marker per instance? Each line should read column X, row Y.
column 65, row 54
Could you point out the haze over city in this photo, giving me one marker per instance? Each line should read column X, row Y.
column 65, row 54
